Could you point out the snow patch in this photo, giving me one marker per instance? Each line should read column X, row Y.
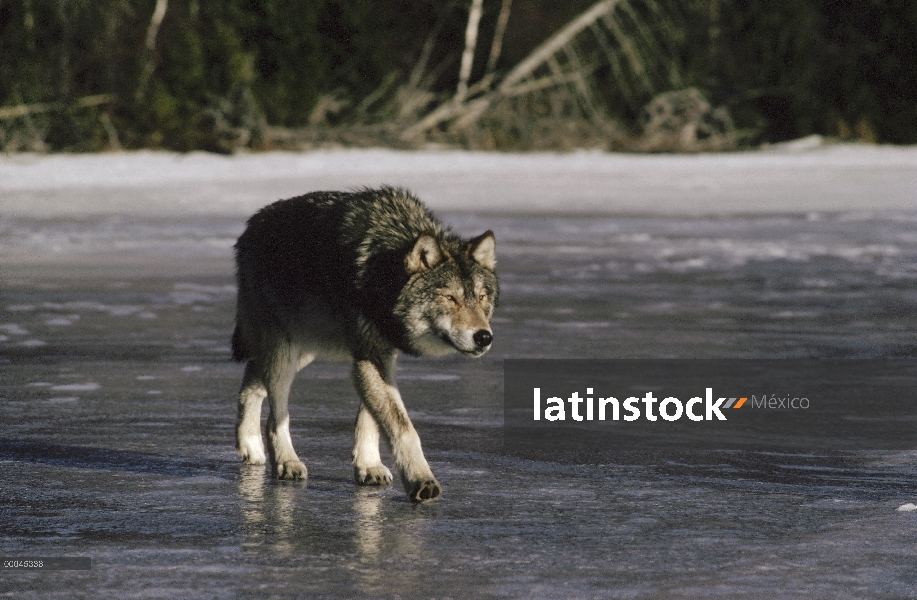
column 20, row 307
column 14, row 329
column 89, row 386
column 62, row 320
column 62, row 400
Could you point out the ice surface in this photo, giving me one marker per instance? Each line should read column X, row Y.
column 116, row 392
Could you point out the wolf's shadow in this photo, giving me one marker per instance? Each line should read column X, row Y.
column 105, row 459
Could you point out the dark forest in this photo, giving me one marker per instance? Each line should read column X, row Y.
column 646, row 75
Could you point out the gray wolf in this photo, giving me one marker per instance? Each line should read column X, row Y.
column 358, row 276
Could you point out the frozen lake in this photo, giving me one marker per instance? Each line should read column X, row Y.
column 117, row 396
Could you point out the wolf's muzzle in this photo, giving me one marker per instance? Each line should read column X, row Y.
column 482, row 338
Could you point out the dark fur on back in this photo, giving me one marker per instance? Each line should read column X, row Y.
column 344, row 249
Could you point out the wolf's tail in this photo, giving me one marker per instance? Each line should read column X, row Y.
column 239, row 351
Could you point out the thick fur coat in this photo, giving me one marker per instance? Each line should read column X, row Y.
column 358, row 276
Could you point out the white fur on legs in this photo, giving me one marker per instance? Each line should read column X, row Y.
column 375, row 381
column 248, row 430
column 277, row 373
column 367, row 463
column 286, row 464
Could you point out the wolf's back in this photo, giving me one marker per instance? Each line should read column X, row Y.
column 328, row 241
column 342, row 250
column 291, row 242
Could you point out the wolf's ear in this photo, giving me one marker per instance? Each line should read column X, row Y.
column 425, row 255
column 481, row 249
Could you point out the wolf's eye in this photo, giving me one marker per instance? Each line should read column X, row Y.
column 482, row 297
column 451, row 298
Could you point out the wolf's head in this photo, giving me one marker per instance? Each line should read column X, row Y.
column 450, row 295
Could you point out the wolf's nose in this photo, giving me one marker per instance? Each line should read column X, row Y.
column 482, row 338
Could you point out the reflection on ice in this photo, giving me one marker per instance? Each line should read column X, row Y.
column 367, row 506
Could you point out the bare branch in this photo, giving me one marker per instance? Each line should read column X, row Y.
column 149, row 63
column 159, row 13
column 497, row 45
column 533, row 85
column 587, row 98
column 645, row 39
column 471, row 41
column 557, row 41
column 637, row 56
column 114, row 143
column 421, row 66
column 629, row 51
column 614, row 61
column 444, row 112
column 22, row 110
column 377, row 94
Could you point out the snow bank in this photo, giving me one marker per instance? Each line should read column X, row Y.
column 798, row 177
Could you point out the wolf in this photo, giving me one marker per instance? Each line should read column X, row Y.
column 359, row 276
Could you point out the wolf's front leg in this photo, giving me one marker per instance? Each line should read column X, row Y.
column 367, row 464
column 374, row 380
column 279, row 379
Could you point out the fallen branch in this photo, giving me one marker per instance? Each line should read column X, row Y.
column 642, row 64
column 542, row 53
column 440, row 114
column 23, row 110
column 541, row 83
column 457, row 107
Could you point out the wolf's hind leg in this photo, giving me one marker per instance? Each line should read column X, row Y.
column 375, row 382
column 248, row 429
column 367, row 464
column 279, row 379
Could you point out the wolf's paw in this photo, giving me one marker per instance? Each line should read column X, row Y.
column 421, row 491
column 291, row 469
column 378, row 475
column 252, row 458
column 251, row 451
